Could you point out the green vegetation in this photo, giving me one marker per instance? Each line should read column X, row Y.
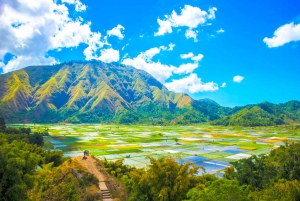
column 31, row 173
column 254, row 116
column 94, row 92
column 267, row 177
column 28, row 172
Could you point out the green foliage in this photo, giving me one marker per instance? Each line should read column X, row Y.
column 263, row 171
column 18, row 163
column 53, row 156
column 117, row 169
column 23, row 134
column 220, row 189
column 36, row 139
column 255, row 116
column 128, row 117
column 20, row 155
column 164, row 179
column 2, row 124
column 250, row 171
column 282, row 190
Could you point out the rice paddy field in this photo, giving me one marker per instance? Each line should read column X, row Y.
column 208, row 146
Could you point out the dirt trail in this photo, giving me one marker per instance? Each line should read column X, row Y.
column 89, row 164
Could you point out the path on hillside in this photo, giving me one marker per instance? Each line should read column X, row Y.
column 89, row 164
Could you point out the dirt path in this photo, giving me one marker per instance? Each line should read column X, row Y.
column 89, row 164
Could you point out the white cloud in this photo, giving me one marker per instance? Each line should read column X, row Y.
column 171, row 46
column 223, row 84
column 117, row 31
column 221, row 31
column 23, row 23
column 191, row 84
column 284, row 34
column 163, row 48
column 186, row 56
column 141, row 36
column 198, row 57
column 190, row 17
column 162, row 71
column 186, row 68
column 16, row 62
column 191, row 56
column 144, row 61
column 191, row 34
column 212, row 13
column 238, row 78
column 125, row 56
column 125, row 46
column 1, row 65
column 109, row 55
column 79, row 6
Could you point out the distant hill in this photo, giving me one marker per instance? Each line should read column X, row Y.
column 208, row 100
column 93, row 92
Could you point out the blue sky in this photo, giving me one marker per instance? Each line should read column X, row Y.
column 234, row 52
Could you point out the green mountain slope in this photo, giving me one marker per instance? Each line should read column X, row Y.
column 82, row 91
column 98, row 92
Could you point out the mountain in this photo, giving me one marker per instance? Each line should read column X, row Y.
column 208, row 100
column 83, row 91
column 93, row 92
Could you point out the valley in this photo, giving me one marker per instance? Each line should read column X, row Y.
column 212, row 147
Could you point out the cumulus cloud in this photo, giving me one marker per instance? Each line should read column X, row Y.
column 223, row 84
column 186, row 56
column 117, row 31
column 144, row 61
column 79, row 6
column 221, row 31
column 238, row 78
column 191, row 84
column 190, row 17
column 109, row 55
column 16, row 62
column 198, row 57
column 47, row 22
column 162, row 72
column 191, row 55
column 284, row 34
column 186, row 68
column 191, row 34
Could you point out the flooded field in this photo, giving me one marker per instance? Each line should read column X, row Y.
column 211, row 147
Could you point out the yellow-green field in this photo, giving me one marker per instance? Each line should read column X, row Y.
column 209, row 146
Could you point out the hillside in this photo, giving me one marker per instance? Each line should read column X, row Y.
column 93, row 92
column 83, row 92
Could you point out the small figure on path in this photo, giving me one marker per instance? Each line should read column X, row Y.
column 85, row 153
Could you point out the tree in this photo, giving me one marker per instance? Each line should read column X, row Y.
column 18, row 163
column 2, row 123
column 282, row 190
column 220, row 189
column 165, row 179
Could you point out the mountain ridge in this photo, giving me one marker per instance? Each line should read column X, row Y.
column 94, row 91
column 82, row 87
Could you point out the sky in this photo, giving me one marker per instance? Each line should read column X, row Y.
column 234, row 52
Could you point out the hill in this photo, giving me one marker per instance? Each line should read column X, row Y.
column 93, row 92
column 85, row 92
